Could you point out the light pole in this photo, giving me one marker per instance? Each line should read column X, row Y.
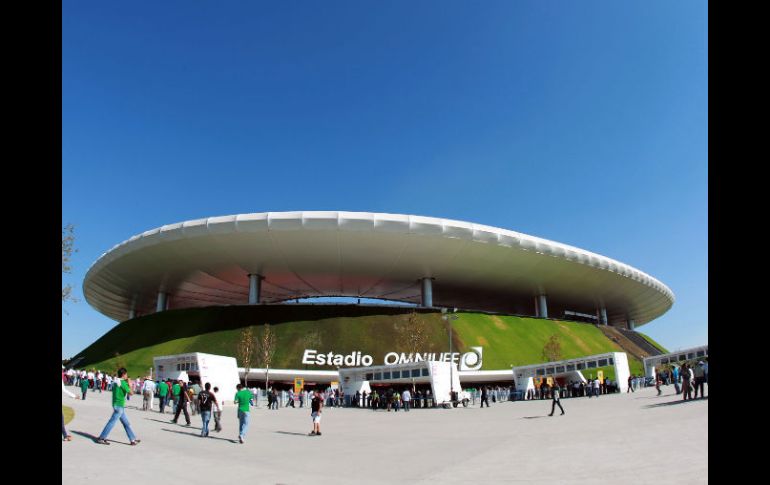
column 448, row 318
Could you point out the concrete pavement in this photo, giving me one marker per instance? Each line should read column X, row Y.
column 637, row 438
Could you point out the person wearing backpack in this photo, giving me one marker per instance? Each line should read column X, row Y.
column 205, row 401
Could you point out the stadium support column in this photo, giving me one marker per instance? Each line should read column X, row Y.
column 131, row 314
column 631, row 324
column 255, row 288
column 542, row 306
column 427, row 292
column 603, row 316
column 162, row 301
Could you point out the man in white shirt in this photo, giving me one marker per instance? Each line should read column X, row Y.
column 217, row 410
column 91, row 380
column 407, row 398
column 148, row 391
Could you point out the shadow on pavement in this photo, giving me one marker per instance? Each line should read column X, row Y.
column 94, row 438
column 674, row 403
column 198, row 435
column 85, row 435
column 292, row 433
column 532, row 417
column 168, row 421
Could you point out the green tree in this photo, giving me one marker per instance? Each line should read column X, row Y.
column 267, row 346
column 67, row 249
column 246, row 351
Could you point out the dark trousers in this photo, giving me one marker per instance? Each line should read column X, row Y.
column 63, row 429
column 484, row 399
column 553, row 406
column 698, row 383
column 84, row 394
column 180, row 407
column 686, row 390
column 162, row 400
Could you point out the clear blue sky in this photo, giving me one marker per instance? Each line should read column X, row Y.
column 581, row 122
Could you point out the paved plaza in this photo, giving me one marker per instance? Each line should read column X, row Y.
column 637, row 438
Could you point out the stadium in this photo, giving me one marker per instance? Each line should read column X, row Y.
column 192, row 286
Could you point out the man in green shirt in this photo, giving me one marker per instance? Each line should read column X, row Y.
column 120, row 390
column 163, row 395
column 243, row 400
column 176, row 389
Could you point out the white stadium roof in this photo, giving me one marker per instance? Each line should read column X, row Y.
column 206, row 262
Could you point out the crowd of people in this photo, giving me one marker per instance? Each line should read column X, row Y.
column 180, row 396
column 688, row 379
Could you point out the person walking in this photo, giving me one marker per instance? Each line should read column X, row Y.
column 181, row 405
column 65, row 436
column 484, row 397
column 675, row 373
column 658, row 382
column 217, row 411
column 148, row 392
column 120, row 390
column 176, row 390
column 700, row 378
column 556, row 398
column 315, row 413
column 205, row 401
column 630, row 384
column 162, row 396
column 242, row 399
column 685, row 374
column 407, row 398
column 84, row 387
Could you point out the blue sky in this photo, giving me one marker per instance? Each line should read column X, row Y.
column 581, row 122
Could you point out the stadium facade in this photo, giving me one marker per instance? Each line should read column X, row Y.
column 272, row 258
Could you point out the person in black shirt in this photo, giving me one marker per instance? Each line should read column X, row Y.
column 184, row 398
column 555, row 395
column 315, row 413
column 205, row 401
column 484, row 398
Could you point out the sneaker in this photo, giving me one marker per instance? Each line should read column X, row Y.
column 318, row 434
column 240, row 438
column 135, row 442
column 312, row 433
column 102, row 441
column 562, row 413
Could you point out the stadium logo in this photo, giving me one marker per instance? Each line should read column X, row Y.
column 468, row 361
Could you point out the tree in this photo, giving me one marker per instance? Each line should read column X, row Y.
column 412, row 336
column 552, row 349
column 67, row 249
column 266, row 352
column 246, row 351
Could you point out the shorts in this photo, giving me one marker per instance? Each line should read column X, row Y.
column 316, row 417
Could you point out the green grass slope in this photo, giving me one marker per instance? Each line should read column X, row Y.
column 507, row 340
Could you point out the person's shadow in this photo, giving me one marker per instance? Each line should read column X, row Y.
column 292, row 433
column 95, row 438
column 198, row 435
